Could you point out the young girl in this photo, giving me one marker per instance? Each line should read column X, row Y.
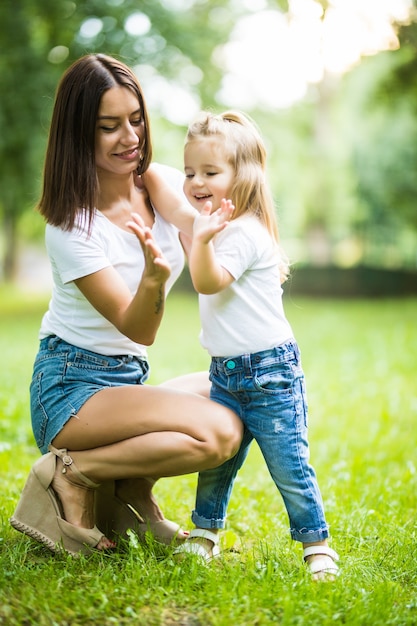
column 255, row 361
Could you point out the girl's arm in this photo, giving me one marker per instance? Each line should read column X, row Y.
column 207, row 274
column 168, row 202
column 137, row 317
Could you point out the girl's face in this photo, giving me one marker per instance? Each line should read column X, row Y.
column 208, row 174
column 119, row 131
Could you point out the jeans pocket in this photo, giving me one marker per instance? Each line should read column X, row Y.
column 275, row 379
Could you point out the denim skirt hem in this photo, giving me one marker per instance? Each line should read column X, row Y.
column 66, row 376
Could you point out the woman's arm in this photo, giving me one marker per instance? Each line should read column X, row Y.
column 137, row 318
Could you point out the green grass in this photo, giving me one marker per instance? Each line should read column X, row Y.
column 360, row 363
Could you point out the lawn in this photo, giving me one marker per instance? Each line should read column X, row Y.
column 361, row 369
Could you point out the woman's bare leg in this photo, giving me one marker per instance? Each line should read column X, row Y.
column 144, row 431
column 138, row 491
column 197, row 382
column 77, row 501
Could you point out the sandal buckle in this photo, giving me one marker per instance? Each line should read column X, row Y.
column 67, row 461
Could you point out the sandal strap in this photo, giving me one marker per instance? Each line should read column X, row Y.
column 205, row 534
column 87, row 536
column 325, row 550
column 323, row 568
column 197, row 549
column 67, row 462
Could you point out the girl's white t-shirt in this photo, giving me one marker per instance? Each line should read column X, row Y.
column 248, row 316
column 74, row 254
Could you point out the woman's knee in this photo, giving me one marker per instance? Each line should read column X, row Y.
column 228, row 435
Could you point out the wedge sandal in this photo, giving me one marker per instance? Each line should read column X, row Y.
column 115, row 517
column 39, row 512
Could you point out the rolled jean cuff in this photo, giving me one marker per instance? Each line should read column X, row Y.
column 310, row 536
column 203, row 522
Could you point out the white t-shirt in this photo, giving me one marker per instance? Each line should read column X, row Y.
column 74, row 254
column 248, row 316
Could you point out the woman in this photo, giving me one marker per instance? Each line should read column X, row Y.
column 113, row 259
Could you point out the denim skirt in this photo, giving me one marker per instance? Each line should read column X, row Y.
column 65, row 377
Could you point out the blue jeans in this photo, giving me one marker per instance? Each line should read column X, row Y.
column 267, row 391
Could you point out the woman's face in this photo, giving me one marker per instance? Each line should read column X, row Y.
column 119, row 132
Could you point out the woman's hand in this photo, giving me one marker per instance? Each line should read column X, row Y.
column 137, row 317
column 156, row 265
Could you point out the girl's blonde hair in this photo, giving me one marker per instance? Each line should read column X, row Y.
column 246, row 153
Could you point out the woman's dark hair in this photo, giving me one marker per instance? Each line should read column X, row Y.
column 70, row 184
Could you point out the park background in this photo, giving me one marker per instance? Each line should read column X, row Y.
column 332, row 86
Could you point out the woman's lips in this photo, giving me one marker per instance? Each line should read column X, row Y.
column 128, row 155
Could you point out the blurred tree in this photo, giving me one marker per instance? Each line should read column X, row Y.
column 383, row 143
column 321, row 189
column 344, row 162
column 173, row 38
column 389, row 183
column 24, row 39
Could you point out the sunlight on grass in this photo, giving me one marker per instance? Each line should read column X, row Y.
column 359, row 360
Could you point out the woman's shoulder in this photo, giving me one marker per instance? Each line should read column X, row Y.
column 81, row 234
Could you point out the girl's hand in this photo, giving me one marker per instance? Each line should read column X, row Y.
column 156, row 265
column 210, row 222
